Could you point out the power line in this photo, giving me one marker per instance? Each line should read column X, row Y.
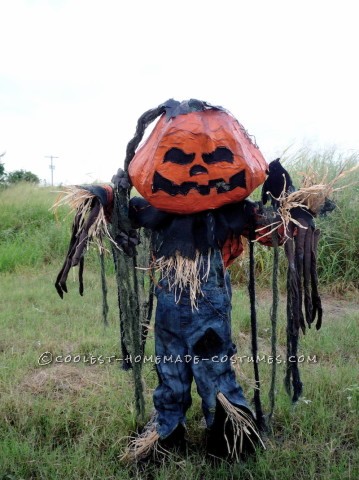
column 52, row 168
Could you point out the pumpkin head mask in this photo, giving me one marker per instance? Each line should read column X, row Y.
column 198, row 159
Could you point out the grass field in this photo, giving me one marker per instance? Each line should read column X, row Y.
column 69, row 419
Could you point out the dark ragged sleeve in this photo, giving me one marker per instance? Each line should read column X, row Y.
column 90, row 220
column 300, row 241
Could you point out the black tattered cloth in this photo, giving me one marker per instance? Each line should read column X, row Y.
column 190, row 234
column 102, row 198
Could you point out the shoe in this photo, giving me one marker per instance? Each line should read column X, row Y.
column 176, row 441
column 233, row 434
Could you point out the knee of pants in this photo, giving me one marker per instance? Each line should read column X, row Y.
column 214, row 343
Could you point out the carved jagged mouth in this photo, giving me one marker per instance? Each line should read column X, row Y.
column 162, row 183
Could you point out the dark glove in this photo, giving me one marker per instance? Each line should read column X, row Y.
column 121, row 180
column 278, row 179
column 128, row 242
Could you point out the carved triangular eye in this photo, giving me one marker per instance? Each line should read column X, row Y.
column 221, row 154
column 176, row 155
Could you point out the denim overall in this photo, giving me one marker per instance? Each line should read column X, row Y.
column 194, row 343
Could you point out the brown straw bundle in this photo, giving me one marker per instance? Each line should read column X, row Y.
column 80, row 201
column 141, row 446
column 181, row 272
column 244, row 428
column 311, row 196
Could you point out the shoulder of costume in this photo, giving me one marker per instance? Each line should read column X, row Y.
column 143, row 214
column 234, row 215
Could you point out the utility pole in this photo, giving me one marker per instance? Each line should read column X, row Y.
column 52, row 168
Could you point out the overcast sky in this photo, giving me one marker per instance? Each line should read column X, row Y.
column 76, row 74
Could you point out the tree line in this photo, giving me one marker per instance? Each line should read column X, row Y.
column 16, row 176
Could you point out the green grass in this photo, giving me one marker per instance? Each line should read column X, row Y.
column 338, row 250
column 69, row 420
column 30, row 235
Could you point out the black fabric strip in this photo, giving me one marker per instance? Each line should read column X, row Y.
column 190, row 233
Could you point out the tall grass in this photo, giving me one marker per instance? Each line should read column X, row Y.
column 338, row 251
column 30, row 235
column 338, row 254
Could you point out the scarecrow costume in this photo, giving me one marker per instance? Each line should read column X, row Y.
column 194, row 172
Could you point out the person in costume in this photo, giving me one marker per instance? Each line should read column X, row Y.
column 194, row 172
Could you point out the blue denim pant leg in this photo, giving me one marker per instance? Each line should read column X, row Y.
column 204, row 336
column 172, row 397
column 211, row 347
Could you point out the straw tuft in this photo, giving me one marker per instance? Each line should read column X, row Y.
column 141, row 446
column 311, row 196
column 181, row 273
column 244, row 428
column 80, row 201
